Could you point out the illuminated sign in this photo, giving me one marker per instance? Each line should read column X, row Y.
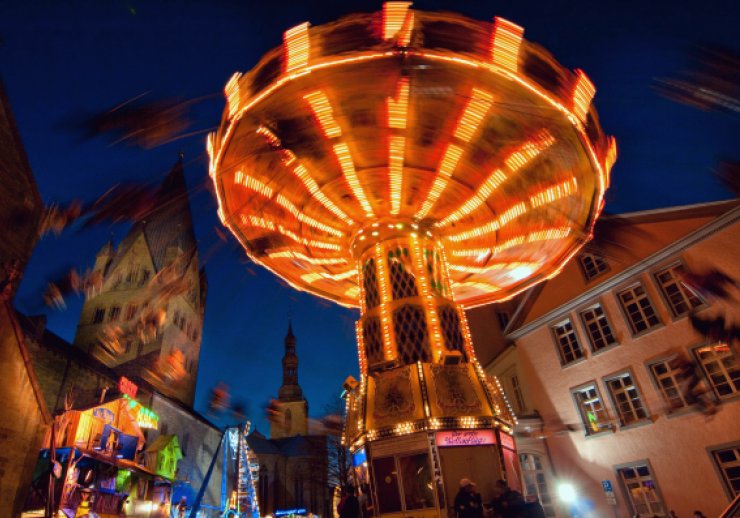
column 465, row 438
column 127, row 387
column 507, row 441
column 287, row 512
column 144, row 417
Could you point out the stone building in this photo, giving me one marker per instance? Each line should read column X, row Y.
column 293, row 464
column 25, row 416
column 161, row 246
column 587, row 360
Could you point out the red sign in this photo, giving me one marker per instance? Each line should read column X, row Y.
column 465, row 438
column 507, row 441
column 128, row 387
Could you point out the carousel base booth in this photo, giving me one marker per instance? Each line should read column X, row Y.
column 424, row 428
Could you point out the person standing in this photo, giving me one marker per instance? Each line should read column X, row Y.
column 349, row 506
column 508, row 503
column 468, row 502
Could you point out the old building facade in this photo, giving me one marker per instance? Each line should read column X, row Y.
column 159, row 249
column 591, row 361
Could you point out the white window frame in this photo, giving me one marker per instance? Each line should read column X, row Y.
column 548, row 507
column 598, row 270
column 627, row 315
column 602, row 322
column 686, row 293
column 720, row 368
column 655, row 506
column 625, row 389
column 676, row 384
column 559, row 345
column 603, row 424
column 720, row 466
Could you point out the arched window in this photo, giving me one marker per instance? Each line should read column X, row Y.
column 535, row 481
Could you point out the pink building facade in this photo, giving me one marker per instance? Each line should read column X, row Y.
column 589, row 362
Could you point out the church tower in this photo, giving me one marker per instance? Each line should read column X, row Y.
column 146, row 320
column 293, row 407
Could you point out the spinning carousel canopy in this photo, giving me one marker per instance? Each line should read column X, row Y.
column 405, row 121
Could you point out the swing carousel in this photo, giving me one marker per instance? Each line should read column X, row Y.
column 413, row 164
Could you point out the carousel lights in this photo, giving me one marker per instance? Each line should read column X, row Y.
column 446, row 168
column 433, row 320
column 398, row 106
column 492, row 226
column 318, row 261
column 583, row 93
column 398, row 21
column 323, row 112
column 396, row 146
column 385, row 317
column 233, row 95
column 495, row 266
column 476, row 109
column 256, row 221
column 506, row 39
column 297, row 47
column 554, row 193
column 527, row 152
column 361, row 353
column 348, row 168
column 310, row 278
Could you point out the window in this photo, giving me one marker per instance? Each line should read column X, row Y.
column 144, row 276
column 641, row 490
column 721, row 368
column 626, row 399
column 597, row 327
column 593, row 413
column 99, row 315
column 516, row 389
column 680, row 299
column 592, row 265
column 114, row 313
column 667, row 380
column 568, row 346
column 131, row 310
column 176, row 317
column 638, row 309
column 535, row 481
column 727, row 460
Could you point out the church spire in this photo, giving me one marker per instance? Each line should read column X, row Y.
column 290, row 390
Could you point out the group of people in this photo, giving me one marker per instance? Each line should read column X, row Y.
column 353, row 504
column 508, row 503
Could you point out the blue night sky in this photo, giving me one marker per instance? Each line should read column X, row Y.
column 63, row 59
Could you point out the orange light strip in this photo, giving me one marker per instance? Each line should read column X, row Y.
column 233, row 95
column 322, row 110
column 256, row 221
column 395, row 19
column 398, row 105
column 432, row 319
column 554, row 193
column 611, row 157
column 506, row 39
column 583, row 93
column 396, row 147
column 492, row 226
column 446, row 168
column 518, row 159
column 361, row 353
column 550, row 234
column 361, row 286
column 297, row 47
column 475, row 110
column 352, row 292
column 496, row 266
column 292, row 163
column 480, row 286
column 259, row 187
column 310, row 278
column 348, row 168
column 385, row 314
column 318, row 261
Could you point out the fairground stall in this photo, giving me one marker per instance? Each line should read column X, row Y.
column 412, row 165
column 95, row 463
